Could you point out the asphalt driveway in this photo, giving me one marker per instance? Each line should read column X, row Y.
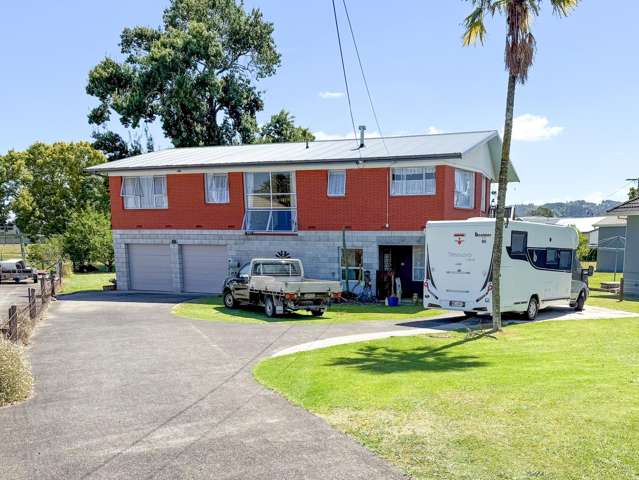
column 126, row 390
column 14, row 294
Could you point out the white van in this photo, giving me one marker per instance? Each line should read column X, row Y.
column 539, row 267
column 17, row 270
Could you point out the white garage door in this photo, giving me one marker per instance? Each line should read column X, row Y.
column 204, row 268
column 150, row 267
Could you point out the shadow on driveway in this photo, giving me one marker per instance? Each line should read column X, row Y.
column 126, row 297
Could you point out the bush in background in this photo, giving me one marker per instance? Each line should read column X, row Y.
column 44, row 254
column 88, row 239
column 16, row 379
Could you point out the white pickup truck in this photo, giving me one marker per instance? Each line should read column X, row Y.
column 279, row 286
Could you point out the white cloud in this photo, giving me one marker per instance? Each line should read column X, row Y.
column 331, row 94
column 434, row 130
column 320, row 135
column 531, row 128
column 595, row 197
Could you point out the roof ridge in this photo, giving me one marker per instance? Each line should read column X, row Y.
column 388, row 137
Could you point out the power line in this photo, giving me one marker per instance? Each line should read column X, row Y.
column 361, row 68
column 341, row 54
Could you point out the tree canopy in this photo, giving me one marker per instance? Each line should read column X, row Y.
column 52, row 185
column 281, row 128
column 196, row 73
column 633, row 193
column 542, row 211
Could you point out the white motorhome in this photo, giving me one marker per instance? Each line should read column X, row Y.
column 539, row 267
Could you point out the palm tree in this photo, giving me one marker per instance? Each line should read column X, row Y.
column 518, row 57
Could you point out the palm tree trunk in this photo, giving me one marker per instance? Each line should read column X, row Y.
column 501, row 202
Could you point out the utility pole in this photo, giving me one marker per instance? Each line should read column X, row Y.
column 633, row 180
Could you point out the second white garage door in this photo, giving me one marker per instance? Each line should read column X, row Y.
column 150, row 267
column 204, row 268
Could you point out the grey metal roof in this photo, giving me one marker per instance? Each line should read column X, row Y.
column 631, row 207
column 439, row 146
column 611, row 221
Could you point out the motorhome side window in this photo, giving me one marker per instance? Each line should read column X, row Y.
column 552, row 258
column 518, row 242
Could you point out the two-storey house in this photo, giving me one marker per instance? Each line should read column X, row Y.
column 183, row 218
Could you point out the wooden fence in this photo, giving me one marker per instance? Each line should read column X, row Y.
column 22, row 318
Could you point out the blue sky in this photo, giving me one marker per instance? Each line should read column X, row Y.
column 577, row 128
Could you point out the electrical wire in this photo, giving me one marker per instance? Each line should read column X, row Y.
column 361, row 69
column 341, row 54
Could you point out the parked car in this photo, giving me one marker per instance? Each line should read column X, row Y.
column 539, row 267
column 279, row 286
column 17, row 270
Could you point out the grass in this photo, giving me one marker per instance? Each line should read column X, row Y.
column 16, row 380
column 552, row 400
column 212, row 309
column 84, row 282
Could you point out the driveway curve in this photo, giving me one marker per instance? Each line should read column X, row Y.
column 126, row 390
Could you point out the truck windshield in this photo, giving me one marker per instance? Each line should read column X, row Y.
column 279, row 269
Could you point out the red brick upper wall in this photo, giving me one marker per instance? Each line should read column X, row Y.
column 364, row 207
column 187, row 206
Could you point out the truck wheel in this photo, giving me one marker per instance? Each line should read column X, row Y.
column 579, row 306
column 533, row 308
column 317, row 313
column 229, row 300
column 269, row 307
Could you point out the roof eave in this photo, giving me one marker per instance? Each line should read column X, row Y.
column 320, row 163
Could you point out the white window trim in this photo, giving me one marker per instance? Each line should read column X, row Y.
column 137, row 177
column 292, row 209
column 423, row 267
column 484, row 188
column 424, row 194
column 207, row 198
column 472, row 196
column 328, row 183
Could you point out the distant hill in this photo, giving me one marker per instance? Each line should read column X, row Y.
column 575, row 208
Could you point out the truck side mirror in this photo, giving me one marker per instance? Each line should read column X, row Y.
column 591, row 270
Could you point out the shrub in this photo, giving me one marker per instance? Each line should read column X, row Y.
column 15, row 374
column 44, row 254
column 88, row 239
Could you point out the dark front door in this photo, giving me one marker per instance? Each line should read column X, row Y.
column 397, row 259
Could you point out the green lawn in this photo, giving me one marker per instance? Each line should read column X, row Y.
column 212, row 309
column 552, row 400
column 81, row 282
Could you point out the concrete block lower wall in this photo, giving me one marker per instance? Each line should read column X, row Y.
column 318, row 250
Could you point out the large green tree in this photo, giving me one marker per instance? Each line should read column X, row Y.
column 53, row 185
column 633, row 193
column 196, row 73
column 11, row 170
column 115, row 147
column 518, row 57
column 87, row 238
column 281, row 128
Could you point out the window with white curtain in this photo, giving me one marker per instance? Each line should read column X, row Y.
column 336, row 183
column 217, row 188
column 144, row 192
column 464, row 189
column 270, row 202
column 484, row 182
column 413, row 181
column 418, row 263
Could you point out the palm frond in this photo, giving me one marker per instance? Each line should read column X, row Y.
column 474, row 26
column 563, row 7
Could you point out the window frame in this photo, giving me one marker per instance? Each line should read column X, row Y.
column 164, row 196
column 328, row 183
column 423, row 265
column 207, row 198
column 347, row 268
column 472, row 193
column 525, row 243
column 484, row 189
column 271, row 209
column 424, row 170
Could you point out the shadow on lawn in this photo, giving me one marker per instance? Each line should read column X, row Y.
column 390, row 360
